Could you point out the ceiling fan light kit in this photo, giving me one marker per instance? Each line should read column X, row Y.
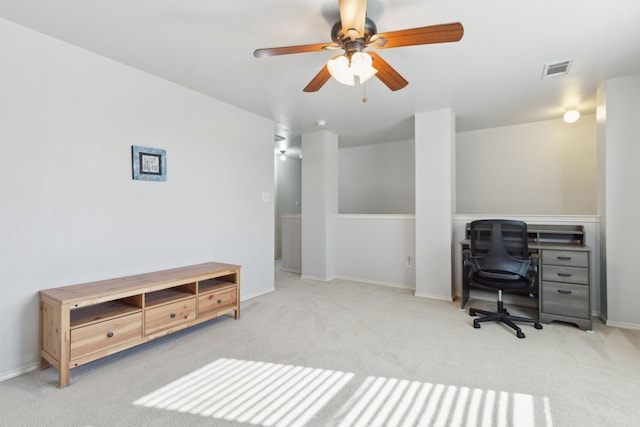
column 344, row 70
column 340, row 70
column 354, row 33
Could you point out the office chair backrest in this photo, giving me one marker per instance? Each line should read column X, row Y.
column 495, row 238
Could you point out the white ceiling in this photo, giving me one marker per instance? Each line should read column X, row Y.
column 492, row 77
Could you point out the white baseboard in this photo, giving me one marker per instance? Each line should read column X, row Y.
column 375, row 282
column 436, row 297
column 290, row 270
column 622, row 325
column 320, row 279
column 257, row 294
column 20, row 371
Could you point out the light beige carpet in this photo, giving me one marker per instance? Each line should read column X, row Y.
column 341, row 354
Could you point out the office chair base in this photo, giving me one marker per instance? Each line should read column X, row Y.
column 502, row 315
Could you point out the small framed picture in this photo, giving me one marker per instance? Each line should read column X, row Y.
column 149, row 164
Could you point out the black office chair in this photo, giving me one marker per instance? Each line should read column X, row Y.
column 499, row 259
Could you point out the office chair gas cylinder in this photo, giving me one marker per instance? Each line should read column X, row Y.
column 499, row 259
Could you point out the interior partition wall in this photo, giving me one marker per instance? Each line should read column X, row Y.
column 319, row 204
column 435, row 196
column 620, row 177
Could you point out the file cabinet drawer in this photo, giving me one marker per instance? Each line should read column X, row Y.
column 565, row 300
column 555, row 273
column 566, row 258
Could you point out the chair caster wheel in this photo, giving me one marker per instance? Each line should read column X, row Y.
column 476, row 325
column 520, row 334
column 472, row 312
column 537, row 325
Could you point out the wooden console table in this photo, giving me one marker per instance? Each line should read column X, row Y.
column 563, row 285
column 85, row 322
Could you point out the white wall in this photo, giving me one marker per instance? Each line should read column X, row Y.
column 291, row 226
column 556, row 177
column 319, row 204
column 70, row 212
column 288, row 194
column 435, row 202
column 621, row 177
column 377, row 179
column 545, row 168
column 376, row 249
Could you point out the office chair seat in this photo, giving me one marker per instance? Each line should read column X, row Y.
column 503, row 264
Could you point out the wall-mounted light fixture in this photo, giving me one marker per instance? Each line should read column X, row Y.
column 571, row 116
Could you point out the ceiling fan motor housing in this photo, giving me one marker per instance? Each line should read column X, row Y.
column 347, row 43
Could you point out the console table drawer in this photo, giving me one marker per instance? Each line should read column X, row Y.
column 165, row 316
column 563, row 274
column 90, row 339
column 567, row 258
column 565, row 299
column 214, row 301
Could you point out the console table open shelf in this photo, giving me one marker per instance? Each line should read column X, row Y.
column 85, row 322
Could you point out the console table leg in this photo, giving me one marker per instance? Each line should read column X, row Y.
column 44, row 364
column 63, row 377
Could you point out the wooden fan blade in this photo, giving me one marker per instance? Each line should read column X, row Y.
column 287, row 50
column 318, row 81
column 387, row 74
column 442, row 33
column 352, row 15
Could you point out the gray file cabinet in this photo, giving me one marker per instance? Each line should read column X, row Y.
column 565, row 294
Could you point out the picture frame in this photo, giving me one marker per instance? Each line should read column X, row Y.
column 149, row 164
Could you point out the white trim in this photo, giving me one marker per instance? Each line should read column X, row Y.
column 320, row 279
column 374, row 282
column 289, row 270
column 623, row 325
column 383, row 217
column 436, row 297
column 255, row 295
column 530, row 218
column 20, row 371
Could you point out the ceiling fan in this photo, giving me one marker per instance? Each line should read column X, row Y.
column 355, row 32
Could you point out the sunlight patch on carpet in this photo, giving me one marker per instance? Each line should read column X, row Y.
column 268, row 394
column 392, row 402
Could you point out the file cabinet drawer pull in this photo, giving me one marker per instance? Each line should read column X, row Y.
column 564, row 291
column 564, row 258
column 564, row 274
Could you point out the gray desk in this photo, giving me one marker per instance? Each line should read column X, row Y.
column 563, row 286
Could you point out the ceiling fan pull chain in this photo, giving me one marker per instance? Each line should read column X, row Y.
column 364, row 92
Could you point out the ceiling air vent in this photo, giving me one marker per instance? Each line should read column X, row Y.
column 556, row 69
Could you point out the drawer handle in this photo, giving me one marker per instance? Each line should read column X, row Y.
column 173, row 315
column 109, row 334
column 564, row 291
column 564, row 258
column 564, row 274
